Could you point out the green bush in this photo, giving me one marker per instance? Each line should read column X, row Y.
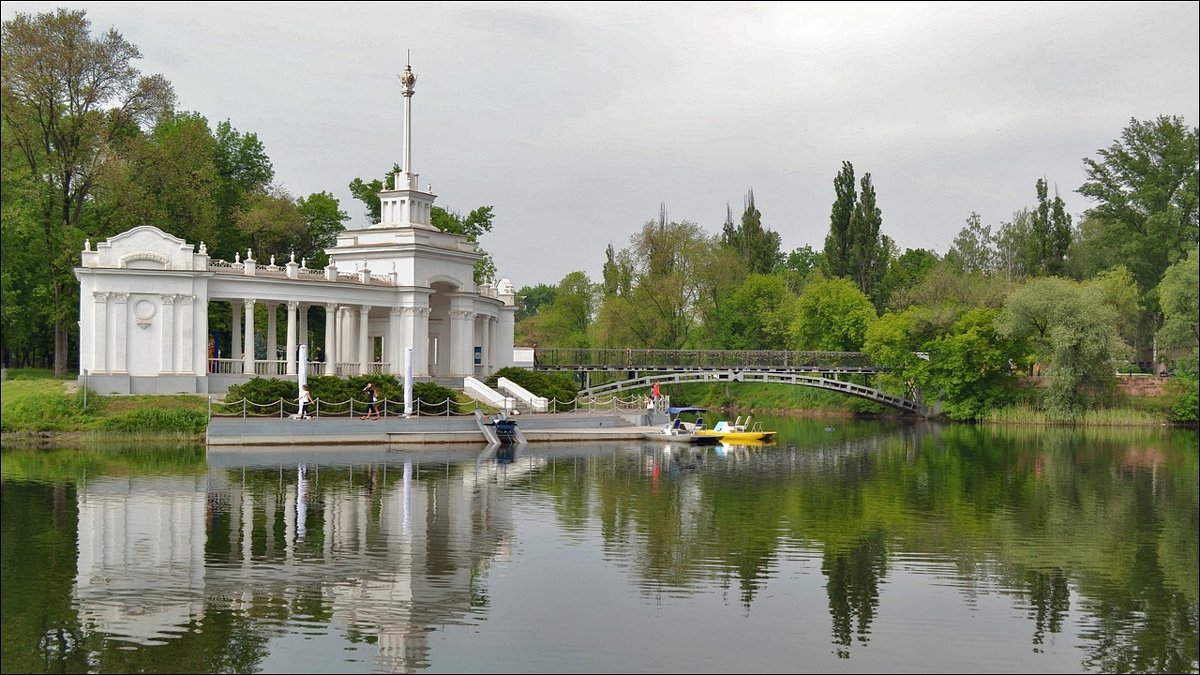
column 554, row 386
column 1186, row 406
column 344, row 396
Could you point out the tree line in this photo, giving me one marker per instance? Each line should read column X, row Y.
column 1038, row 294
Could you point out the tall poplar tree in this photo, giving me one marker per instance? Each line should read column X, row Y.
column 868, row 253
column 758, row 247
column 1050, row 235
column 836, row 257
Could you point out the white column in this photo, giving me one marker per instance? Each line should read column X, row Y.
column 291, row 338
column 364, row 342
column 248, row 349
column 187, row 338
column 421, row 342
column 101, row 335
column 166, row 334
column 303, row 335
column 331, row 345
column 344, row 341
column 394, row 341
column 504, row 337
column 408, row 330
column 460, row 341
column 120, row 330
column 485, row 359
column 235, row 342
column 272, row 334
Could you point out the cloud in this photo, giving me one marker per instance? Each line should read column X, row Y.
column 576, row 120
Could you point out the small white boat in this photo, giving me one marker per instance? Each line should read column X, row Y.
column 678, row 431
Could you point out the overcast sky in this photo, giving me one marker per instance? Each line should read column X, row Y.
column 575, row 121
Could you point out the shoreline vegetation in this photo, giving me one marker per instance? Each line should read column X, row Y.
column 38, row 409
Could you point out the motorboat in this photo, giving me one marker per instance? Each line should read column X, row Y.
column 738, row 431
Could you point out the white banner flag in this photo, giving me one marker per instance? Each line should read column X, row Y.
column 408, row 370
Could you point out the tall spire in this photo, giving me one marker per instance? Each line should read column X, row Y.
column 408, row 79
column 405, row 204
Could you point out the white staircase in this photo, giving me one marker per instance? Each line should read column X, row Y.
column 535, row 403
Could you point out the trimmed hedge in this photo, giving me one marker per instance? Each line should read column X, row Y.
column 559, row 386
column 334, row 393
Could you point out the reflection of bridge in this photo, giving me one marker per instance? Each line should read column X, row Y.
column 641, row 368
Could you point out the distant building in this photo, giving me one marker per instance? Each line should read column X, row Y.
column 402, row 283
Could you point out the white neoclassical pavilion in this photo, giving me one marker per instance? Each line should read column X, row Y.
column 145, row 294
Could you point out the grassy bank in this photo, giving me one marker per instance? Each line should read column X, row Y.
column 1026, row 414
column 32, row 406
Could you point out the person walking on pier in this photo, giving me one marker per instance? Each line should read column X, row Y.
column 372, row 409
column 305, row 397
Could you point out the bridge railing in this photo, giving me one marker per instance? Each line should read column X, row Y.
column 697, row 359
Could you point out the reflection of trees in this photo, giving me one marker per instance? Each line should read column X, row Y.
column 41, row 628
column 1050, row 597
column 854, row 576
column 1042, row 515
column 1039, row 514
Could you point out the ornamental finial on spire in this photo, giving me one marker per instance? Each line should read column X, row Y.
column 409, row 80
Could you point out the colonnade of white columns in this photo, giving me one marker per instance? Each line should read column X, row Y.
column 349, row 337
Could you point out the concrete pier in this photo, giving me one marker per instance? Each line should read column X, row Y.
column 559, row 427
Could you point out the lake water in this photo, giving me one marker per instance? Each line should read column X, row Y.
column 845, row 547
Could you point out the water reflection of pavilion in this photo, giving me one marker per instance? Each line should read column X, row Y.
column 389, row 550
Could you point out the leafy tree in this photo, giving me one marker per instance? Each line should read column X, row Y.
column 1117, row 289
column 1049, row 235
column 1179, row 298
column 839, row 242
column 324, row 220
column 1145, row 188
column 832, row 315
column 948, row 295
column 666, row 260
column 1072, row 331
column 892, row 342
column 531, row 299
column 66, row 99
column 759, row 314
column 973, row 250
column 906, row 270
column 26, row 310
column 567, row 320
column 167, row 178
column 716, row 282
column 269, row 223
column 618, row 274
column 971, row 367
column 758, row 247
column 1012, row 245
column 246, row 172
column 797, row 266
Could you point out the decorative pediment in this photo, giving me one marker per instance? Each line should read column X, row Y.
column 145, row 260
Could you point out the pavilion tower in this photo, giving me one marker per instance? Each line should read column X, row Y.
column 406, row 205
